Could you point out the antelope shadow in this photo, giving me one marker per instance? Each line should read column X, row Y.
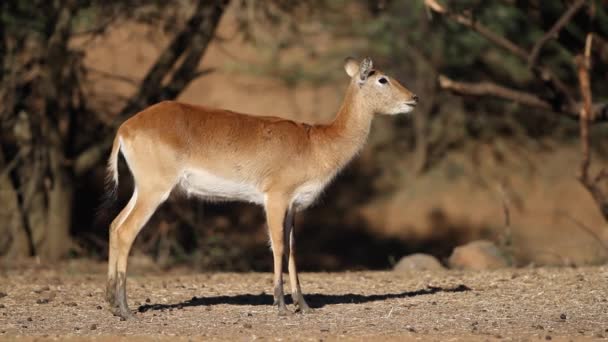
column 315, row 300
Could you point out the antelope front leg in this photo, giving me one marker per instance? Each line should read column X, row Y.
column 296, row 291
column 276, row 206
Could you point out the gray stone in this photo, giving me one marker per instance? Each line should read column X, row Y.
column 477, row 255
column 418, row 262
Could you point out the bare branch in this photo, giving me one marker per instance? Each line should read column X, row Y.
column 583, row 64
column 11, row 165
column 553, row 32
column 493, row 89
column 600, row 110
column 479, row 28
column 561, row 90
column 91, row 156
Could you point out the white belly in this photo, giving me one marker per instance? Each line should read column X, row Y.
column 201, row 183
column 204, row 184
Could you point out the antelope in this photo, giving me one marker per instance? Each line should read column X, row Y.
column 218, row 154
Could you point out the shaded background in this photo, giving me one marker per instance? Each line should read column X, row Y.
column 495, row 150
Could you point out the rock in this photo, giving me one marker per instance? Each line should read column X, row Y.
column 418, row 262
column 477, row 255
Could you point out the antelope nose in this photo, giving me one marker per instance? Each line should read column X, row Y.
column 415, row 98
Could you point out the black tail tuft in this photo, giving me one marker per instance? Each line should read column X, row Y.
column 107, row 206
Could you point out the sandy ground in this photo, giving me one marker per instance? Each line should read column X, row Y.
column 66, row 303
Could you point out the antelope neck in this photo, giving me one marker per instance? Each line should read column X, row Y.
column 339, row 141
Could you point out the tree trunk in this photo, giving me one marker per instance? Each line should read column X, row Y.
column 36, row 196
column 57, row 242
column 14, row 242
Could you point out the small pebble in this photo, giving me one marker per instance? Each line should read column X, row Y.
column 3, row 294
column 148, row 299
column 42, row 301
column 93, row 326
column 562, row 316
column 548, row 337
column 42, row 289
column 247, row 325
column 29, row 319
column 99, row 307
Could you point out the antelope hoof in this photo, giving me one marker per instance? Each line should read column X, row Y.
column 304, row 309
column 284, row 312
column 123, row 313
column 300, row 303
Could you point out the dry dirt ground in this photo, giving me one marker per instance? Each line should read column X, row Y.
column 66, row 303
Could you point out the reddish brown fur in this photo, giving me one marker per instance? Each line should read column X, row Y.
column 286, row 161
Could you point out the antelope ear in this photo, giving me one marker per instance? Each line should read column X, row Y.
column 365, row 68
column 351, row 66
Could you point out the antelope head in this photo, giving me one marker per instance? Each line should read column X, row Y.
column 376, row 91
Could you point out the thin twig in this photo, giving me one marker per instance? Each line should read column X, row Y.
column 553, row 32
column 114, row 76
column 588, row 230
column 506, row 238
column 203, row 72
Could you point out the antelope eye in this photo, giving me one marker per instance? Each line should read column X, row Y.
column 382, row 80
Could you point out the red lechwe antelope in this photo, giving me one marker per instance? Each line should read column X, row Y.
column 222, row 155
